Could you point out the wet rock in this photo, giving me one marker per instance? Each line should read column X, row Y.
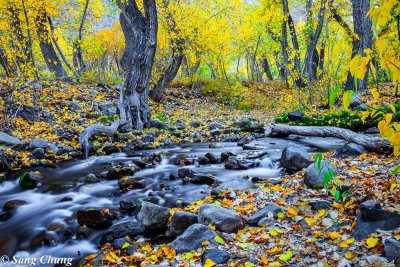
column 264, row 221
column 185, row 172
column 244, row 140
column 110, row 149
column 193, row 238
column 65, row 199
column 153, row 217
column 183, row 161
column 249, row 147
column 29, row 180
column 118, row 243
column 8, row 140
column 215, row 191
column 215, row 145
column 180, row 221
column 227, row 237
column 213, row 159
column 174, row 175
column 55, row 226
column 44, row 238
column 218, row 256
column 91, row 178
column 203, row 160
column 158, row 124
column 38, row 143
column 392, row 249
column 132, row 182
column 294, row 157
column 215, row 132
column 202, row 179
column 96, row 219
column 234, row 164
column 127, row 206
column 122, row 229
column 319, row 204
column 314, row 178
column 296, row 116
column 271, row 208
column 8, row 245
column 350, row 150
column 112, row 175
column 167, row 141
column 4, row 216
column 372, row 217
column 223, row 219
column 214, row 125
column 13, row 204
column 225, row 156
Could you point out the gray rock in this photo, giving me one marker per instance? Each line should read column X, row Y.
column 244, row 140
column 38, row 143
column 264, row 212
column 180, row 221
column 193, row 238
column 392, row 249
column 355, row 101
column 314, row 178
column 264, row 221
column 319, row 204
column 223, row 219
column 75, row 106
column 91, row 178
column 294, row 157
column 157, row 123
column 372, row 217
column 350, row 150
column 213, row 159
column 202, row 179
column 214, row 125
column 38, row 153
column 296, row 116
column 153, row 217
column 218, row 256
column 132, row 182
column 195, row 124
column 108, row 109
column 363, row 107
column 185, row 172
column 215, row 132
column 118, row 243
column 8, row 140
column 121, row 230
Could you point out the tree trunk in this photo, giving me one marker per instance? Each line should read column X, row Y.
column 49, row 54
column 8, row 68
column 266, row 68
column 138, row 58
column 285, row 72
column 370, row 143
column 169, row 74
column 77, row 56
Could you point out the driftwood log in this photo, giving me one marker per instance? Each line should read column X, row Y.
column 370, row 143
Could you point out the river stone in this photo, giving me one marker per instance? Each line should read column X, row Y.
column 319, row 204
column 294, row 157
column 372, row 217
column 244, row 140
column 202, row 179
column 350, row 150
column 29, row 180
column 392, row 249
column 272, row 208
column 264, row 221
column 223, row 219
column 91, row 178
column 180, row 221
column 233, row 164
column 214, row 125
column 38, row 143
column 110, row 149
column 203, row 160
column 225, row 156
column 218, row 256
column 132, row 182
column 355, row 101
column 296, row 116
column 193, row 238
column 8, row 140
column 153, row 217
column 314, row 178
column 122, row 229
column 8, row 245
column 95, row 219
column 195, row 124
column 13, row 204
column 185, row 172
column 38, row 153
column 213, row 159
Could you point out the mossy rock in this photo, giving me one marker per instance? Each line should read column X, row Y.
column 28, row 180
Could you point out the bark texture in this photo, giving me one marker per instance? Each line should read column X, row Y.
column 370, row 143
column 267, row 68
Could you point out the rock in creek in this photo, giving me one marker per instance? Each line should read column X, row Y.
column 350, row 150
column 96, row 219
column 294, row 157
column 29, row 180
column 8, row 140
column 132, row 182
column 122, row 229
column 153, row 217
column 13, row 204
column 223, row 219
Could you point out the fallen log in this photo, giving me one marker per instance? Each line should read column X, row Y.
column 370, row 143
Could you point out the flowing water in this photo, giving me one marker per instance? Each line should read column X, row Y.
column 23, row 232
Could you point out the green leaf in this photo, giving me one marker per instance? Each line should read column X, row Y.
column 125, row 245
column 287, row 256
column 396, row 170
column 218, row 239
column 280, row 215
column 189, row 255
column 217, row 203
column 337, row 195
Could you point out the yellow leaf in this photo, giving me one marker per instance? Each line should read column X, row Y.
column 392, row 108
column 388, row 117
column 209, row 263
column 248, row 264
column 218, row 239
column 205, row 243
column 350, row 255
column 292, row 212
column 189, row 255
column 153, row 258
column 372, row 242
column 343, row 244
column 335, row 235
column 392, row 187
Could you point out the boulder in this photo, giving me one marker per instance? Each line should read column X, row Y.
column 225, row 156
column 214, row 125
column 218, row 256
column 264, row 221
column 29, row 180
column 213, row 159
column 244, row 140
column 132, row 182
column 372, row 217
column 157, row 123
column 295, row 115
column 314, row 177
column 91, row 178
column 223, row 219
column 180, row 221
column 355, row 101
column 294, row 157
column 96, row 219
column 38, row 153
column 13, row 204
column 319, row 204
column 195, row 124
column 193, row 238
column 271, row 208
column 350, row 150
column 203, row 160
column 122, row 229
column 8, row 140
column 392, row 249
column 234, row 164
column 38, row 143
column 185, row 172
column 110, row 149
column 202, row 179
column 153, row 217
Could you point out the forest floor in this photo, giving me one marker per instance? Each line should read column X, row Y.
column 300, row 235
